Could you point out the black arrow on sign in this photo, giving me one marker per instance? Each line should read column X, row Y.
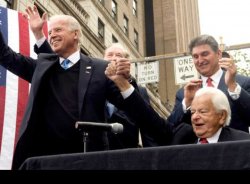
column 184, row 77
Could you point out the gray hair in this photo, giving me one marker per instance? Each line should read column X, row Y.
column 204, row 40
column 74, row 25
column 219, row 100
column 118, row 45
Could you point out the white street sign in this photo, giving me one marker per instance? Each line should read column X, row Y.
column 3, row 3
column 148, row 72
column 184, row 70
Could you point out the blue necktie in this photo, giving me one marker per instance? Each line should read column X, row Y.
column 65, row 64
column 110, row 108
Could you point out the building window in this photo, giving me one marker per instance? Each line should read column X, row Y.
column 114, row 39
column 114, row 10
column 101, row 30
column 135, row 7
column 136, row 39
column 7, row 3
column 102, row 2
column 125, row 25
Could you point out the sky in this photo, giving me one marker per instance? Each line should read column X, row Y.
column 227, row 18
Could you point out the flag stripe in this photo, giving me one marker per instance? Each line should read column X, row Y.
column 9, row 124
column 3, row 14
column 14, row 91
column 23, row 86
column 45, row 29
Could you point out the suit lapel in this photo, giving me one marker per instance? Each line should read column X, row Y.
column 224, row 135
column 222, row 85
column 85, row 73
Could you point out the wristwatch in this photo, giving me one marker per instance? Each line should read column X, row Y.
column 236, row 93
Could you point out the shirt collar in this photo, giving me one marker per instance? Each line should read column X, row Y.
column 215, row 77
column 215, row 137
column 73, row 57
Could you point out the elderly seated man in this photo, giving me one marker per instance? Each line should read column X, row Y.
column 210, row 115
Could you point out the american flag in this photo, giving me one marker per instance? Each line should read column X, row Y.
column 13, row 90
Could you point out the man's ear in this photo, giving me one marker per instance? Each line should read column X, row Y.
column 219, row 54
column 223, row 117
column 76, row 34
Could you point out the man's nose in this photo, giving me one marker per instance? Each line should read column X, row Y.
column 113, row 58
column 195, row 115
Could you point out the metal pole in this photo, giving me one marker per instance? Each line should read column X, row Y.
column 85, row 140
column 159, row 57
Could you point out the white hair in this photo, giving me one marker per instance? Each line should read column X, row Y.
column 71, row 21
column 219, row 100
column 120, row 46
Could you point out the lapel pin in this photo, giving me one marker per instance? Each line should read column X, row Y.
column 87, row 69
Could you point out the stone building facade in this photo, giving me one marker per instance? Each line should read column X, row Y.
column 100, row 25
column 175, row 22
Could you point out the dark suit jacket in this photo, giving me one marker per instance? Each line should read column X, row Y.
column 129, row 138
column 94, row 89
column 240, row 107
column 183, row 134
column 165, row 133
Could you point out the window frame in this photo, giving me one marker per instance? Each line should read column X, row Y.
column 125, row 25
column 136, row 39
column 114, row 10
column 135, row 8
column 101, row 30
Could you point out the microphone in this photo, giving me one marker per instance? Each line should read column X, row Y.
column 92, row 126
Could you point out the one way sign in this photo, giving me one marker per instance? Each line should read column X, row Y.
column 184, row 70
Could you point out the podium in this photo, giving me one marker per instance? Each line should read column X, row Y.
column 219, row 156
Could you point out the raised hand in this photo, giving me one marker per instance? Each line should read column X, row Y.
column 117, row 72
column 110, row 71
column 229, row 65
column 35, row 21
column 190, row 90
column 123, row 67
